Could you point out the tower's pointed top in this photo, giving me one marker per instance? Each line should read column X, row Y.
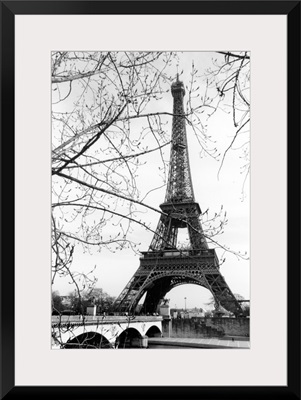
column 177, row 86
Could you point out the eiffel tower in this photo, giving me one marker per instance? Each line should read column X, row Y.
column 164, row 266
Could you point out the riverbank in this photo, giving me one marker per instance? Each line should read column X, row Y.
column 209, row 343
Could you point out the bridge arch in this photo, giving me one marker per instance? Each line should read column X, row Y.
column 128, row 338
column 153, row 331
column 88, row 340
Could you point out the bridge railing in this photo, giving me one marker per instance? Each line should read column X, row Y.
column 90, row 319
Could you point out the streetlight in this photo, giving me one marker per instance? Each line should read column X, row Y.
column 185, row 302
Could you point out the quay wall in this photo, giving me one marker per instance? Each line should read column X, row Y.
column 206, row 327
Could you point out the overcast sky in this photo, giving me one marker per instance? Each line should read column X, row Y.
column 211, row 190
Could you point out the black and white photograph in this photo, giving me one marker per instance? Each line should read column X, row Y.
column 150, row 200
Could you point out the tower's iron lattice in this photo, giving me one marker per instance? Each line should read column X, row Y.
column 164, row 266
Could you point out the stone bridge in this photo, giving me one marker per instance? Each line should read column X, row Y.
column 90, row 332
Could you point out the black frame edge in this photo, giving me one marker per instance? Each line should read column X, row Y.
column 8, row 11
column 293, row 199
column 7, row 199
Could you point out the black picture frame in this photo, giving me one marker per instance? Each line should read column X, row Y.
column 9, row 9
